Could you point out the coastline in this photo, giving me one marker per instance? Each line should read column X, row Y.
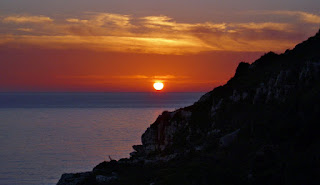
column 252, row 130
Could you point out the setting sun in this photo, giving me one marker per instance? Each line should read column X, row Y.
column 158, row 86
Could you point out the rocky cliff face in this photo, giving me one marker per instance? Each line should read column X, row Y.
column 253, row 130
column 270, row 81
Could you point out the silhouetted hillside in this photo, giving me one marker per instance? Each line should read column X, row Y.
column 259, row 128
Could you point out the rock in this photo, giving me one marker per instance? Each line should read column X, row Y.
column 205, row 97
column 215, row 107
column 244, row 95
column 242, row 69
column 235, row 96
column 101, row 179
column 138, row 148
column 159, row 136
column 76, row 178
column 228, row 139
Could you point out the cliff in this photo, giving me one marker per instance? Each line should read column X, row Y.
column 258, row 128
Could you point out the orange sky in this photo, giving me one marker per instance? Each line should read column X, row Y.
column 103, row 51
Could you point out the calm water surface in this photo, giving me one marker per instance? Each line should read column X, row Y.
column 42, row 136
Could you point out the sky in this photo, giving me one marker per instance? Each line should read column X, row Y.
column 126, row 45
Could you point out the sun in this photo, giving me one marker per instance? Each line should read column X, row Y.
column 158, row 86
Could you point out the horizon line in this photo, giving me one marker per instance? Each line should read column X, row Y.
column 104, row 91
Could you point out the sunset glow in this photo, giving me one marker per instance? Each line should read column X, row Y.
column 103, row 46
column 158, row 86
column 163, row 91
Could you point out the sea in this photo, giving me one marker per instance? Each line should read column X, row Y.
column 43, row 135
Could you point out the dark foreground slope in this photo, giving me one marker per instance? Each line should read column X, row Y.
column 259, row 128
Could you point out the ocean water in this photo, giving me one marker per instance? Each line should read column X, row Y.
column 43, row 135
